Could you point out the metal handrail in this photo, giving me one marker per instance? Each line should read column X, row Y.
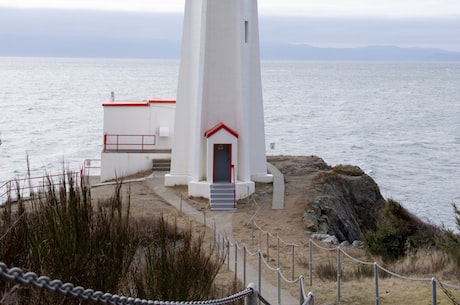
column 118, row 142
column 25, row 187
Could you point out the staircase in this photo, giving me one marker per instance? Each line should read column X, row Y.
column 223, row 197
column 161, row 165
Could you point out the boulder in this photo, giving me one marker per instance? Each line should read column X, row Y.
column 341, row 201
column 345, row 203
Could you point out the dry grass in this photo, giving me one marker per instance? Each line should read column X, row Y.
column 357, row 286
column 62, row 235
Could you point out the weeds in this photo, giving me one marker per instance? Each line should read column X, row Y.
column 326, row 271
column 60, row 233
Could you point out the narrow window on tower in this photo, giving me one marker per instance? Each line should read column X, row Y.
column 246, row 31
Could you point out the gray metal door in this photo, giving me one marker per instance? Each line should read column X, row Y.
column 222, row 163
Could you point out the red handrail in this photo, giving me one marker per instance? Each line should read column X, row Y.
column 136, row 142
column 234, row 185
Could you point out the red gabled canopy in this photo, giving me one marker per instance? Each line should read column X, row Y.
column 218, row 127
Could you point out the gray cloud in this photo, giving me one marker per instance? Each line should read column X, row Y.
column 33, row 32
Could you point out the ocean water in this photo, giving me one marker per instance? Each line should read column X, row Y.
column 400, row 122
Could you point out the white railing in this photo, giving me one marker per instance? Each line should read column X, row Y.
column 27, row 187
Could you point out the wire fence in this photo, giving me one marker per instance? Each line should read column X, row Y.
column 262, row 239
column 259, row 239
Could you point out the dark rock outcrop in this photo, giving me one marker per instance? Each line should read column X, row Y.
column 342, row 200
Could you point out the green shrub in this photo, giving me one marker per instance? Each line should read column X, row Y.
column 399, row 232
column 348, row 170
column 449, row 242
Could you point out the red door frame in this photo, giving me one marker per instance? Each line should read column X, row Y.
column 214, row 161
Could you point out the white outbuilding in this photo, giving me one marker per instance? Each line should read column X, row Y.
column 137, row 134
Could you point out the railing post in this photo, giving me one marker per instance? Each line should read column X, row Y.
column 260, row 271
column 339, row 274
column 278, row 250
column 292, row 261
column 236, row 261
column 260, row 239
column 228, row 254
column 433, row 291
column 302, row 290
column 278, row 281
column 233, row 178
column 376, row 280
column 244, row 265
column 252, row 232
column 253, row 297
column 142, row 145
column 268, row 247
column 310, row 261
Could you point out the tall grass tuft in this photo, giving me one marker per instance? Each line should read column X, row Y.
column 60, row 232
column 177, row 266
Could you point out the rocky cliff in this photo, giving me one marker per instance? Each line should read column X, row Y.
column 341, row 200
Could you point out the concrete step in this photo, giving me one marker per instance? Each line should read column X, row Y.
column 161, row 165
column 222, row 197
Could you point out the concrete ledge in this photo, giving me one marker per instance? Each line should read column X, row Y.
column 278, row 187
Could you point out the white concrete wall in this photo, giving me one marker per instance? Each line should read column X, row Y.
column 126, row 120
column 162, row 115
column 141, row 120
column 117, row 165
column 135, row 120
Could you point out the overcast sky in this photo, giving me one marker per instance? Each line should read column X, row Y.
column 33, row 27
column 385, row 8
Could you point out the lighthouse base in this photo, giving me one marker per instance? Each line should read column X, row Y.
column 242, row 189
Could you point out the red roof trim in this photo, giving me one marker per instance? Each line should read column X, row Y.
column 162, row 101
column 138, row 103
column 125, row 104
column 218, row 127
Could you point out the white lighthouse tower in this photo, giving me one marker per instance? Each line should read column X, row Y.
column 219, row 123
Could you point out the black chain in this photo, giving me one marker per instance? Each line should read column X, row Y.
column 18, row 276
column 263, row 300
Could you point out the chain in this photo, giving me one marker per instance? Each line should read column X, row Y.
column 263, row 300
column 43, row 282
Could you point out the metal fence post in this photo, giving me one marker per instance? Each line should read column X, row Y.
column 252, row 232
column 244, row 265
column 236, row 261
column 339, row 273
column 278, row 281
column 228, row 254
column 260, row 271
column 278, row 250
column 433, row 291
column 292, row 261
column 376, row 280
column 310, row 261
column 268, row 247
column 253, row 297
column 260, row 239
